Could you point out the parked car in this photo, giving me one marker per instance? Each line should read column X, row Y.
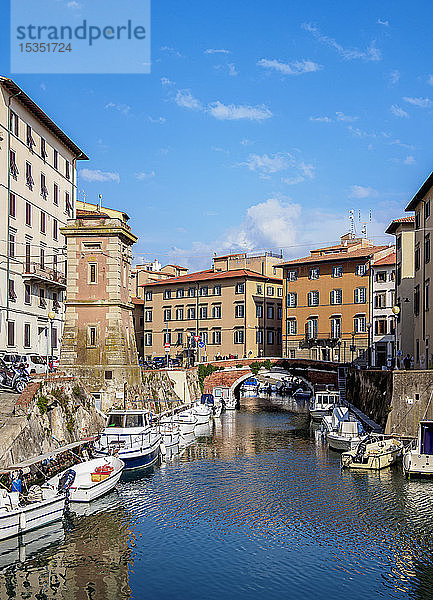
column 159, row 362
column 54, row 362
column 37, row 363
column 16, row 360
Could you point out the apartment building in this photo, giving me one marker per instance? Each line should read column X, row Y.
column 266, row 263
column 421, row 204
column 37, row 197
column 234, row 312
column 153, row 271
column 403, row 230
column 383, row 318
column 327, row 299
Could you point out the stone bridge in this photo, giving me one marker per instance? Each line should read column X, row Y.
column 315, row 372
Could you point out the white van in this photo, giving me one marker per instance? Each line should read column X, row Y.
column 37, row 363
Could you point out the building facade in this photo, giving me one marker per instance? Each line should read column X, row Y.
column 153, row 271
column 37, row 197
column 403, row 230
column 327, row 299
column 383, row 299
column 234, row 312
column 421, row 204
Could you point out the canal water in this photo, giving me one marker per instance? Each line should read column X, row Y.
column 255, row 508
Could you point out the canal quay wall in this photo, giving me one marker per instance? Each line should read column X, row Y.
column 396, row 400
column 50, row 412
column 164, row 388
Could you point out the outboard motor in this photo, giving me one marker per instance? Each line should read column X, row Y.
column 66, row 481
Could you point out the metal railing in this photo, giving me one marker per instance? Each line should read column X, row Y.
column 38, row 272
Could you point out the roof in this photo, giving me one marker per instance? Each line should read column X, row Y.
column 112, row 213
column 336, row 256
column 90, row 213
column 13, row 88
column 137, row 301
column 210, row 275
column 388, row 260
column 177, row 267
column 428, row 183
column 394, row 224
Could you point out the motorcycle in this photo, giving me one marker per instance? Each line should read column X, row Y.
column 15, row 377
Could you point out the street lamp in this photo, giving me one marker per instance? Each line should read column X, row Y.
column 396, row 310
column 51, row 317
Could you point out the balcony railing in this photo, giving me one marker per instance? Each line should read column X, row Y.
column 44, row 275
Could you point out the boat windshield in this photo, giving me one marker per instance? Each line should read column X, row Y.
column 323, row 399
column 115, row 421
column 134, row 421
column 427, row 438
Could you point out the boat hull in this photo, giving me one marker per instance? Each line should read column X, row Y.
column 373, row 462
column 317, row 414
column 417, row 464
column 340, row 443
column 31, row 517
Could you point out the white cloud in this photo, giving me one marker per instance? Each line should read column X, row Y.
column 100, row 176
column 214, row 51
column 229, row 67
column 185, row 99
column 171, row 51
column 73, row 4
column 397, row 111
column 371, row 53
column 43, row 87
column 345, row 118
column 122, row 108
column 409, row 160
column 167, row 81
column 143, row 175
column 394, row 77
column 159, row 120
column 232, row 112
column 268, row 164
column 294, row 68
column 420, row 102
column 360, row 191
column 382, row 22
column 321, row 119
column 430, row 80
column 246, row 142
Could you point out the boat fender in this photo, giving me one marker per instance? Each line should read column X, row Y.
column 66, row 480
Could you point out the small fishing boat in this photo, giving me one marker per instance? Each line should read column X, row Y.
column 93, row 478
column 373, row 452
column 331, row 422
column 348, row 436
column 202, row 412
column 323, row 403
column 170, row 432
column 131, row 436
column 418, row 458
column 41, row 507
column 215, row 405
column 186, row 420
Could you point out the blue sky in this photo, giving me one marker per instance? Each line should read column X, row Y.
column 260, row 126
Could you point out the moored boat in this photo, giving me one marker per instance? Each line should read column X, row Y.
column 418, row 458
column 348, row 436
column 323, row 403
column 186, row 421
column 170, row 432
column 373, row 452
column 202, row 413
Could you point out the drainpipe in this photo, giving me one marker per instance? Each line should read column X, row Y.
column 8, row 264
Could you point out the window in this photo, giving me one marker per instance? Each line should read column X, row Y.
column 203, row 312
column 92, row 336
column 427, row 295
column 203, row 336
column 167, row 314
column 335, row 327
column 167, row 337
column 56, row 303
column 292, row 299
column 361, row 269
column 179, row 293
column 13, row 165
column 337, row 271
column 93, row 273
column 391, row 325
column 54, row 343
column 314, row 273
column 11, row 333
column 292, row 326
column 114, row 420
column 381, row 276
column 336, row 297
column 280, row 292
column 416, row 301
column 29, row 138
column 68, row 205
column 280, row 312
column 259, row 289
column 398, row 275
column 12, row 293
column 179, row 340
column 259, row 336
column 217, row 290
column 44, row 154
column 417, row 220
column 239, row 336
column 28, row 251
column 427, row 248
column 398, row 242
column 42, row 301
column 360, row 295
column 204, row 290
column 55, row 229
column 43, row 221
column 270, row 337
column 313, row 298
column 12, row 245
column 26, row 335
column 42, row 257
column 12, row 205
column 191, row 312
column 380, row 300
column 216, row 337
column 270, row 291
column 360, row 324
column 167, row 294
column 269, row 311
column 259, row 311
column 149, row 296
column 311, row 328
column 29, row 179
column 56, row 194
column 27, row 293
column 216, row 311
column 239, row 289
column 55, row 159
column 239, row 310
column 14, row 123
column 292, row 275
column 427, row 209
column 380, row 327
column 148, row 316
column 179, row 314
column 67, row 169
column 191, row 292
column 148, row 339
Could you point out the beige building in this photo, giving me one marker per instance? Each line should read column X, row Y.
column 383, row 319
column 421, row 204
column 403, row 230
column 152, row 271
column 235, row 312
column 37, row 197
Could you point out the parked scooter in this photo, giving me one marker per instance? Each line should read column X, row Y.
column 15, row 377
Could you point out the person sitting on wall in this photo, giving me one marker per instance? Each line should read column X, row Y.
column 406, row 362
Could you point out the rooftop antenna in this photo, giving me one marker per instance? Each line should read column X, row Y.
column 99, row 202
column 352, row 223
column 365, row 223
column 84, row 199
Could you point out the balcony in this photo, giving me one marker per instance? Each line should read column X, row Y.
column 34, row 272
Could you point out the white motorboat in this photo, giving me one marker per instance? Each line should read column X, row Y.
column 131, row 436
column 186, row 420
column 170, row 432
column 43, row 506
column 202, row 412
column 331, row 422
column 217, row 410
column 348, row 436
column 31, row 543
column 418, row 458
column 374, row 452
column 93, row 478
column 323, row 403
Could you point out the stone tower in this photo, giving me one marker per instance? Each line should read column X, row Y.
column 98, row 338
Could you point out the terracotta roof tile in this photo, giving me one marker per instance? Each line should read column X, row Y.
column 396, row 222
column 210, row 275
column 386, row 260
column 336, row 256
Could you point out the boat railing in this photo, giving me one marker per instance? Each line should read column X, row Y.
column 126, row 440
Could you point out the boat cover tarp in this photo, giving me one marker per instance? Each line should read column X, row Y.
column 427, row 438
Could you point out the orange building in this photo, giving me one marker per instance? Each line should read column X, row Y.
column 327, row 302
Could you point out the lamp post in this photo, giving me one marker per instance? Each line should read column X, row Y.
column 396, row 310
column 51, row 317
